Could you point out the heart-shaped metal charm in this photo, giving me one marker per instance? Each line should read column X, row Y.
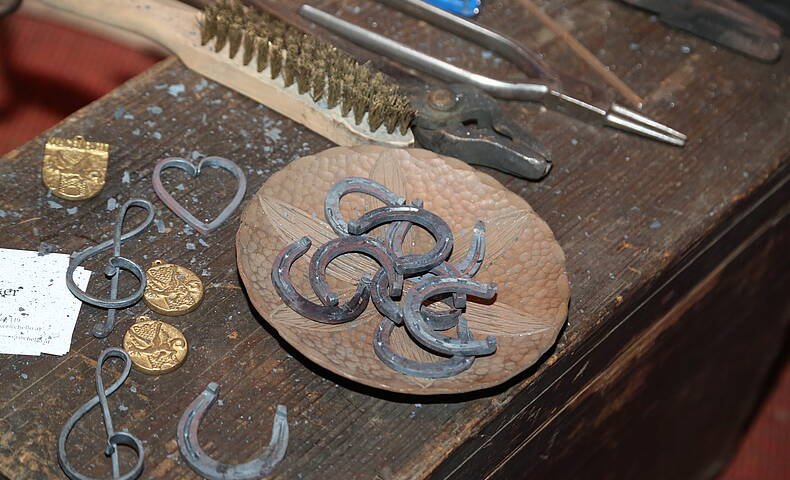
column 187, row 166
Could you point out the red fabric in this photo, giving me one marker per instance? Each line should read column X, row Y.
column 764, row 453
column 48, row 71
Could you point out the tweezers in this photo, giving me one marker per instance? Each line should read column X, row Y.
column 546, row 88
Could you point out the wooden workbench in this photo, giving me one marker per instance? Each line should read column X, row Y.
column 677, row 260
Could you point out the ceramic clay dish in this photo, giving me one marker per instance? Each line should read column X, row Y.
column 522, row 257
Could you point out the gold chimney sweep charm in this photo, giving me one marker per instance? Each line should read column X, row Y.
column 155, row 347
column 172, row 289
column 74, row 168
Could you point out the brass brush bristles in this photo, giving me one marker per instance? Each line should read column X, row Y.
column 316, row 67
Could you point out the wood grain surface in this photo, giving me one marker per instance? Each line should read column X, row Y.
column 643, row 227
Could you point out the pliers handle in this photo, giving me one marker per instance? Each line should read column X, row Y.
column 466, row 8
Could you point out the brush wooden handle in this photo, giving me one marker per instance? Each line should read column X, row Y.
column 166, row 22
column 174, row 25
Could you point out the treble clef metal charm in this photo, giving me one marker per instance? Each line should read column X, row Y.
column 112, row 271
column 113, row 438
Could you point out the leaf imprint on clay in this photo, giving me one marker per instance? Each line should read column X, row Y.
column 500, row 320
column 389, row 174
column 502, row 234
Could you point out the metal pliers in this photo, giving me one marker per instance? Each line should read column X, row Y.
column 502, row 136
column 464, row 122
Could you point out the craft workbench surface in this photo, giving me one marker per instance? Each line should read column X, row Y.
column 677, row 259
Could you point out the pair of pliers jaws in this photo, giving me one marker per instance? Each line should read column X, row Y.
column 464, row 122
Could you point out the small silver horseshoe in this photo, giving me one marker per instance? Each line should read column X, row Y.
column 281, row 279
column 444, row 368
column 429, row 338
column 363, row 244
column 390, row 309
column 438, row 228
column 359, row 185
column 471, row 263
column 207, row 467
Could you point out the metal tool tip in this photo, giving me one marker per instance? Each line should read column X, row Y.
column 629, row 120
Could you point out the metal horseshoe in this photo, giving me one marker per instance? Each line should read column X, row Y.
column 359, row 185
column 471, row 263
column 468, row 266
column 443, row 319
column 448, row 270
column 113, row 438
column 207, row 467
column 281, row 278
column 379, row 293
column 438, row 228
column 390, row 309
column 363, row 244
column 116, row 263
column 441, row 369
column 396, row 233
column 436, row 342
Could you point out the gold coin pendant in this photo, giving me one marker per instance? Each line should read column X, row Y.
column 75, row 168
column 172, row 289
column 155, row 347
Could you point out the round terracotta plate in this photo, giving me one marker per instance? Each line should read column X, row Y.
column 522, row 257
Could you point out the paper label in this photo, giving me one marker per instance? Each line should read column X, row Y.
column 38, row 313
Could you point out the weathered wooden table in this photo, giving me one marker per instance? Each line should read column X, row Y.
column 677, row 259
